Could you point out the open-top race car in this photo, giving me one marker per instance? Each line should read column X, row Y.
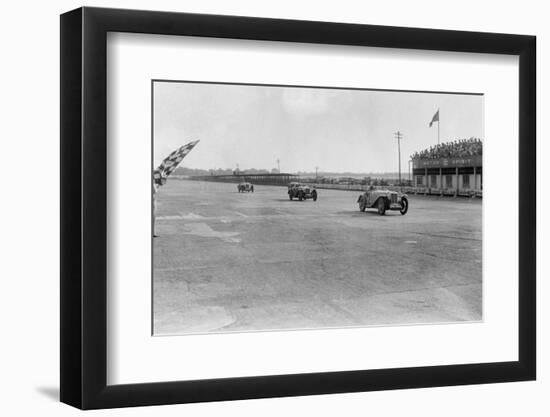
column 245, row 187
column 383, row 200
column 301, row 191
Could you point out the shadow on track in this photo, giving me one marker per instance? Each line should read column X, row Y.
column 286, row 200
column 357, row 213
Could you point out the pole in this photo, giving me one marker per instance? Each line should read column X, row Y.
column 399, row 156
column 316, row 169
column 399, row 136
column 278, row 166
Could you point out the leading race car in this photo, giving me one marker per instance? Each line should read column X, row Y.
column 301, row 191
column 383, row 200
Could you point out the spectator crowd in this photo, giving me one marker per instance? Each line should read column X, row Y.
column 457, row 149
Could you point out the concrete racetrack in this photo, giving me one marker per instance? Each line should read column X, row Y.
column 226, row 261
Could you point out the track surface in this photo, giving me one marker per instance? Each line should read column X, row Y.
column 228, row 261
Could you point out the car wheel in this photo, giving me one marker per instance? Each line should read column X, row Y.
column 381, row 206
column 300, row 196
column 252, row 189
column 290, row 196
column 314, row 195
column 362, row 207
column 404, row 206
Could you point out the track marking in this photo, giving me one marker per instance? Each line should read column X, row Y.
column 189, row 216
column 447, row 237
column 204, row 230
column 241, row 214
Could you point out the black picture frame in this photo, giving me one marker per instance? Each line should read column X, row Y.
column 84, row 207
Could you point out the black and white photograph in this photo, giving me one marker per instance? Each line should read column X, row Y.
column 275, row 208
column 278, row 207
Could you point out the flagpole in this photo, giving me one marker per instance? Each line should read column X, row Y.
column 438, row 123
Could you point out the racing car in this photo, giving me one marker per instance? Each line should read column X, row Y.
column 245, row 187
column 301, row 191
column 383, row 200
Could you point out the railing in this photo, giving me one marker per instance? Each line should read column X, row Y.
column 262, row 179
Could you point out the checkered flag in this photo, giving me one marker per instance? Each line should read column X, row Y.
column 171, row 162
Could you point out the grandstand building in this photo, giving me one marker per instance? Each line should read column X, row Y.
column 449, row 175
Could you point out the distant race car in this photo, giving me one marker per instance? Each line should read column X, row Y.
column 383, row 200
column 245, row 187
column 301, row 191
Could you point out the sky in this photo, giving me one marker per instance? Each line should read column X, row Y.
column 337, row 130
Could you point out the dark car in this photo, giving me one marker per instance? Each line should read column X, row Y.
column 301, row 191
column 245, row 187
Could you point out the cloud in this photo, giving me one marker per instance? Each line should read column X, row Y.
column 305, row 101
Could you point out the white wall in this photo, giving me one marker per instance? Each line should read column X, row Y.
column 29, row 234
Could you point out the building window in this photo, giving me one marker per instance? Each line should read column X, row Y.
column 433, row 181
column 465, row 181
column 449, row 181
column 419, row 180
